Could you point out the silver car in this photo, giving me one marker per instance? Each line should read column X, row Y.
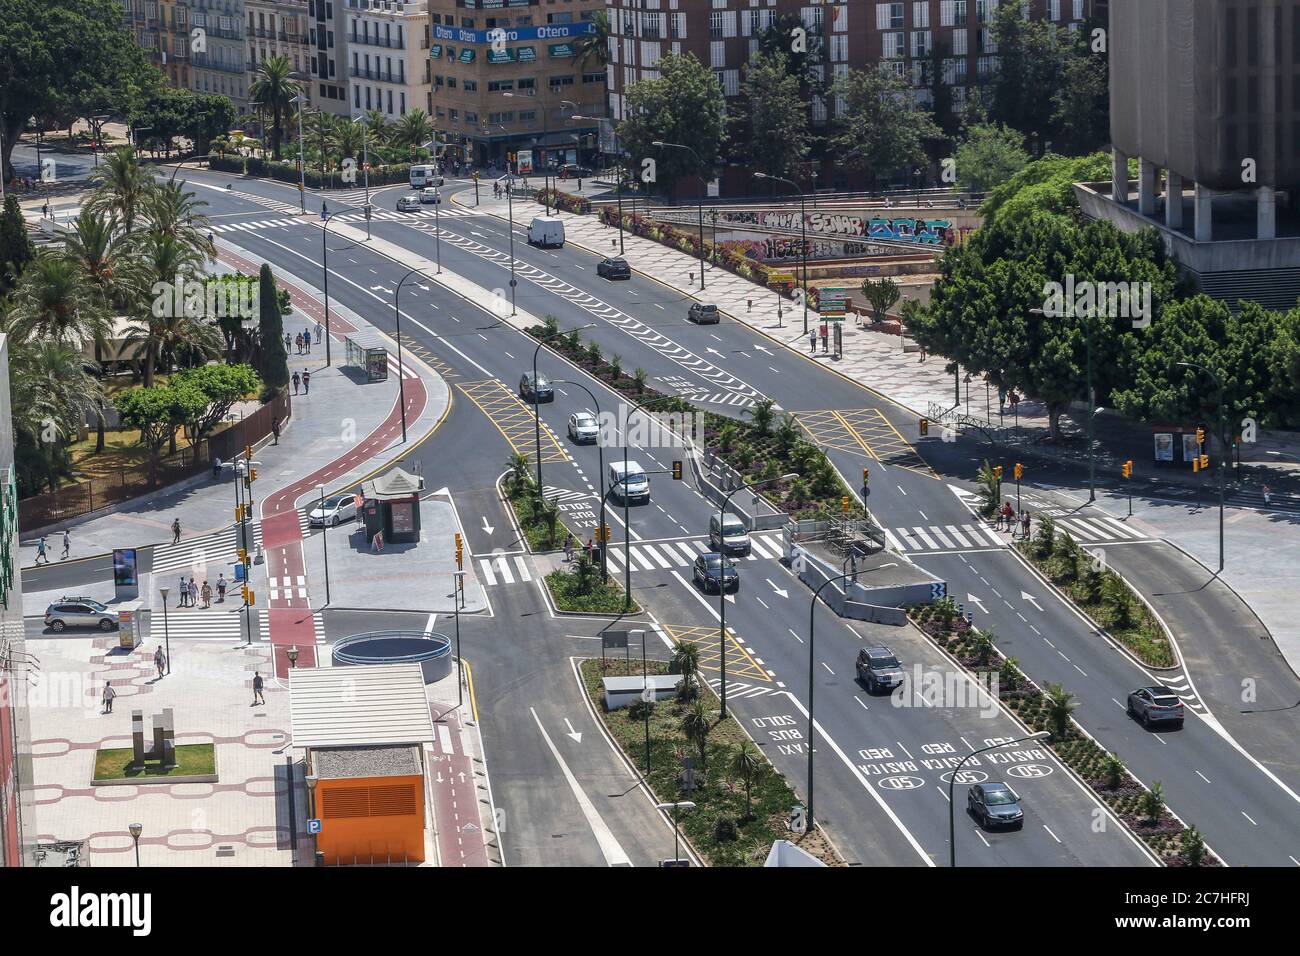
column 583, row 427
column 408, row 204
column 79, row 612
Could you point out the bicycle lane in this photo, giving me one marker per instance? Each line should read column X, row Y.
column 289, row 616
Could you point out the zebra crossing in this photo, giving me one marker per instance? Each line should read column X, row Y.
column 1094, row 529
column 379, row 215
column 214, row 548
column 504, row 569
column 221, row 622
column 663, row 555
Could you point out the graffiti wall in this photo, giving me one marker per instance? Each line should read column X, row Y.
column 789, row 248
column 929, row 232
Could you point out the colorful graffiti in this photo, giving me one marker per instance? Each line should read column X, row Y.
column 789, row 248
column 930, row 232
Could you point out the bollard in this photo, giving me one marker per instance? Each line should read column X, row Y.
column 690, row 277
column 749, row 305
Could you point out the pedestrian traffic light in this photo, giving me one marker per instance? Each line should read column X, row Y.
column 1205, row 462
column 866, row 477
column 925, row 426
column 844, row 504
column 1128, row 468
column 677, row 470
column 460, row 563
column 239, row 512
column 997, row 472
column 1200, row 436
column 1020, row 471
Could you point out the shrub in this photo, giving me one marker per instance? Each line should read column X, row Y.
column 1152, row 804
column 725, row 829
column 1114, row 771
column 1192, row 846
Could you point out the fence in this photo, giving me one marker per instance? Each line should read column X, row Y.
column 73, row 501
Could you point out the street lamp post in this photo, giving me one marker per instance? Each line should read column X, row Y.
column 703, row 189
column 722, row 582
column 546, row 133
column 952, row 779
column 537, row 403
column 325, row 280
column 812, row 684
column 365, row 167
column 397, row 317
column 674, row 807
column 136, row 829
column 1223, row 439
column 600, row 452
column 803, row 237
column 510, row 215
column 458, row 582
column 627, row 519
column 300, row 101
column 167, row 637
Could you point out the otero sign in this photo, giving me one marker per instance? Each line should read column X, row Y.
column 498, row 35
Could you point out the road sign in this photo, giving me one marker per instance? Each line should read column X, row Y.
column 314, row 826
column 613, row 639
column 780, row 277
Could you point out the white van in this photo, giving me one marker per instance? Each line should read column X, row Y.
column 728, row 535
column 629, row 482
column 546, row 232
column 422, row 176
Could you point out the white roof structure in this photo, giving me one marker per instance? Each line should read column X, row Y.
column 365, row 705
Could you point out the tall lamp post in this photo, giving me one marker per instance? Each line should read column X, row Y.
column 600, row 452
column 546, row 134
column 537, row 402
column 1223, row 439
column 300, row 101
column 812, row 684
column 674, row 807
column 325, row 279
column 167, row 638
column 397, row 317
column 510, row 213
column 365, row 166
column 703, row 189
column 952, row 779
column 803, row 237
column 325, row 542
column 722, row 581
column 619, row 160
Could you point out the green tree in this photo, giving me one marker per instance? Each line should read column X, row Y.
column 413, row 130
column 208, row 116
column 1029, row 74
column 761, row 415
column 171, row 210
column 16, row 248
column 1113, row 768
column 1060, row 703
column 520, row 475
column 776, row 115
column 988, row 156
column 274, row 90
column 686, row 661
column 54, row 300
column 1152, row 804
column 120, row 186
column 696, row 725
column 1192, row 847
column 585, row 572
column 982, row 643
column 1081, row 104
column 684, row 104
column 591, row 51
column 749, row 765
column 222, row 386
column 274, row 367
column 881, row 132
column 882, row 295
column 156, row 412
column 161, row 328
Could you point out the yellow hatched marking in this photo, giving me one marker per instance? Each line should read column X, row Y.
column 866, row 432
column 514, row 420
column 739, row 661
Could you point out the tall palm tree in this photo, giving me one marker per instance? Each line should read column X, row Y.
column 378, row 123
column 274, row 90
column 172, row 210
column 414, row 129
column 120, row 185
column 54, row 301
column 163, row 329
column 593, row 49
column 345, row 138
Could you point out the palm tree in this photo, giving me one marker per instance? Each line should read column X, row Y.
column 378, row 124
column 54, row 300
column 1060, row 702
column 593, row 49
column 173, row 211
column 761, row 414
column 685, row 661
column 162, row 329
column 346, row 138
column 414, row 129
column 274, row 90
column 119, row 185
column 748, row 764
column 520, row 474
column 696, row 725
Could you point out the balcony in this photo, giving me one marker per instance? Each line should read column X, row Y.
column 383, row 76
column 366, row 40
column 202, row 62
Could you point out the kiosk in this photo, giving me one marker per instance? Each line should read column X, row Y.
column 392, row 505
column 129, row 634
column 365, row 351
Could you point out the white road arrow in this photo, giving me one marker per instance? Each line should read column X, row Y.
column 781, row 591
column 972, row 599
column 714, row 351
column 486, row 527
column 576, row 735
column 763, row 348
column 1031, row 599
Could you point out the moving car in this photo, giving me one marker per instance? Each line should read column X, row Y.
column 79, row 612
column 878, row 668
column 408, row 203
column 546, row 232
column 628, row 482
column 430, row 195
column 583, row 427
column 703, row 314
column 574, row 171
column 613, row 269
column 332, row 510
column 728, row 534
column 995, row 805
column 711, row 573
column 533, row 392
column 1155, row 705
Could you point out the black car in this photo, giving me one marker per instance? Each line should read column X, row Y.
column 995, row 805
column 614, row 269
column 710, row 574
column 541, row 391
column 703, row 314
column 574, row 171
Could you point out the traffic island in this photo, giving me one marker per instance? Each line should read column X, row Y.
column 579, row 590
column 742, row 804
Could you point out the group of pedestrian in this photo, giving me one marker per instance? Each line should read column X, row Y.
column 304, row 380
column 191, row 592
column 42, row 548
column 303, row 342
column 1008, row 520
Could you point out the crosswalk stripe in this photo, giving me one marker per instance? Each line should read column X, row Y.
column 640, row 559
column 685, row 549
column 766, row 547
column 947, row 542
column 929, row 541
column 650, row 550
column 1119, row 527
column 952, row 530
column 486, row 566
column 699, row 547
column 503, row 568
column 1082, row 529
column 615, row 558
column 988, row 533
column 523, row 569
column 894, row 543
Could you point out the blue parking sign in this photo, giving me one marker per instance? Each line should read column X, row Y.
column 313, row 826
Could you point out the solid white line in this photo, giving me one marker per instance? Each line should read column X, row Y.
column 503, row 569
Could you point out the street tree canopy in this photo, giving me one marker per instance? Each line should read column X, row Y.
column 881, row 131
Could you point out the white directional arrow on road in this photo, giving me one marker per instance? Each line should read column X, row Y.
column 977, row 602
column 763, row 348
column 576, row 735
column 486, row 527
column 714, row 351
column 781, row 591
column 1031, row 599
column 379, row 288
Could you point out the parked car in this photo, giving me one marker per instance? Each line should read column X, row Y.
column 574, row 171
column 430, row 195
column 408, row 203
column 332, row 510
column 878, row 668
column 703, row 314
column 541, row 391
column 1155, row 705
column 712, row 574
column 995, row 805
column 728, row 534
column 79, row 612
column 614, row 269
column 583, row 427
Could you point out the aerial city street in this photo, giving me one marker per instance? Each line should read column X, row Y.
column 598, row 434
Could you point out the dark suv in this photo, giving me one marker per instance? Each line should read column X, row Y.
column 879, row 669
column 535, row 392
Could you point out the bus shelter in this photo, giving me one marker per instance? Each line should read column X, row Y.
column 365, row 351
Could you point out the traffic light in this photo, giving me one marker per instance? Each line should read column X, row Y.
column 1205, row 462
column 252, row 598
column 248, row 452
column 1020, row 471
column 866, row 477
column 1128, row 468
column 1200, row 436
column 844, row 504
column 677, row 470
column 252, row 474
column 1196, row 465
column 925, row 426
column 997, row 472
column 460, row 563
column 239, row 512
column 243, row 558
column 605, row 534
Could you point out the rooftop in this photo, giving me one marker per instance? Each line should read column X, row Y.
column 333, row 763
column 362, row 706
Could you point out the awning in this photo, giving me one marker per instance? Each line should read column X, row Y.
column 396, row 484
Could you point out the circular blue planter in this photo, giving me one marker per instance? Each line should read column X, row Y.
column 431, row 650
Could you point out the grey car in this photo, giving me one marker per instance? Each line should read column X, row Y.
column 1155, row 705
column 703, row 313
column 79, row 612
column 534, row 392
column 879, row 669
column 995, row 805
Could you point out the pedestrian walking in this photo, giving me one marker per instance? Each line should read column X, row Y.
column 221, row 588
column 275, row 431
column 306, row 341
column 109, row 694
column 320, row 331
column 40, row 551
column 176, row 530
column 1008, row 517
column 297, row 342
column 194, row 593
column 1024, row 524
column 591, row 550
column 287, row 341
column 324, row 212
column 1268, row 497
column 306, row 382
column 216, row 468
column 258, row 697
column 183, row 591
column 159, row 661
column 67, row 545
column 207, row 594
column 568, row 547
column 812, row 340
column 296, row 380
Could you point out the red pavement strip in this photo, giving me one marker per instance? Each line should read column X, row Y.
column 455, row 802
column 289, row 620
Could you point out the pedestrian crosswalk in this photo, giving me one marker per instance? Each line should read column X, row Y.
column 1094, row 529
column 379, row 215
column 287, row 588
column 221, row 622
column 214, row 549
column 662, row 555
column 504, row 569
column 318, row 627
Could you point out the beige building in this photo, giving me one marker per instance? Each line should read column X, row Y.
column 218, row 61
column 279, row 28
column 388, row 56
column 162, row 27
column 505, row 78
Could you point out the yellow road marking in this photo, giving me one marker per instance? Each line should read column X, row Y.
column 864, row 431
column 739, row 661
column 514, row 420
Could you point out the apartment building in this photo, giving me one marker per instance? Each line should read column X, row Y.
column 162, row 27
column 217, row 54
column 326, row 33
column 388, row 56
column 279, row 28
column 505, row 77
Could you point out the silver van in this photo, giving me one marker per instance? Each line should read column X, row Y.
column 728, row 534
column 630, row 484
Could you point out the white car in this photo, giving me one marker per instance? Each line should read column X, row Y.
column 583, row 427
column 430, row 195
column 408, row 203
column 332, row 510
